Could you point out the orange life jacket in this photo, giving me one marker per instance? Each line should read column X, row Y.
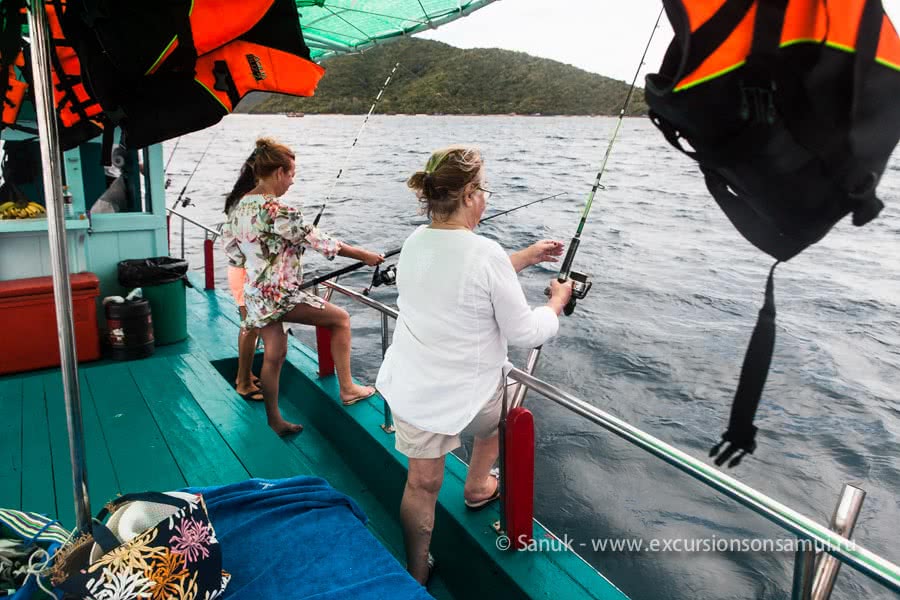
column 791, row 109
column 805, row 22
column 15, row 92
column 193, row 63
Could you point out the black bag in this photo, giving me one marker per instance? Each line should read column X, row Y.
column 791, row 109
column 151, row 271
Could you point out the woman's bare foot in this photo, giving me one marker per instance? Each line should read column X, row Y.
column 284, row 428
column 354, row 394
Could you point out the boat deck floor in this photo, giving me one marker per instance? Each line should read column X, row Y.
column 162, row 423
column 174, row 420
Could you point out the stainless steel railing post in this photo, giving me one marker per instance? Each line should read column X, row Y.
column 530, row 364
column 804, row 566
column 59, row 257
column 842, row 522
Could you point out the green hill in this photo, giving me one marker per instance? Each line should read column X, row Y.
column 435, row 78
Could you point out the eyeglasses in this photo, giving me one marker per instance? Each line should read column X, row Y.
column 487, row 193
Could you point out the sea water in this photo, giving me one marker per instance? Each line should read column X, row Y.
column 659, row 341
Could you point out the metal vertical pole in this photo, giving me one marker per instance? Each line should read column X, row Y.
column 62, row 292
column 530, row 364
column 388, row 425
column 804, row 567
column 842, row 521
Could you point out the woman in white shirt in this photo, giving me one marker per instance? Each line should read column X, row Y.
column 460, row 305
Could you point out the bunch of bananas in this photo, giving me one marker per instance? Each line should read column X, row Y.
column 18, row 210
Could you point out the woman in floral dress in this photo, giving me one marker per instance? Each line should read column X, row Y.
column 267, row 238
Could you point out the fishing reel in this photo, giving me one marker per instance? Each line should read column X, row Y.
column 581, row 285
column 382, row 276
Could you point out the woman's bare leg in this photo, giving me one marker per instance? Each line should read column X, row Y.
column 275, row 341
column 423, row 482
column 246, row 349
column 336, row 320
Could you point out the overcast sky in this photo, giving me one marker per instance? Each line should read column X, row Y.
column 601, row 36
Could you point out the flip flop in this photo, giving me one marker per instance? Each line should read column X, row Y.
column 479, row 504
column 431, row 566
column 256, row 396
column 356, row 399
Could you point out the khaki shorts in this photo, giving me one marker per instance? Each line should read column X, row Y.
column 418, row 443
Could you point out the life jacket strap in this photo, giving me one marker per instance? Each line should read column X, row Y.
column 741, row 433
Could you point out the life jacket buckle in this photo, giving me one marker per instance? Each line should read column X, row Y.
column 758, row 104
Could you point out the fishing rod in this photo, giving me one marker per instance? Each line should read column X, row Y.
column 178, row 141
column 187, row 201
column 581, row 283
column 388, row 275
column 506, row 212
column 353, row 145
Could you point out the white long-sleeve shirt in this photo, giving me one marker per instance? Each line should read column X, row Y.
column 460, row 304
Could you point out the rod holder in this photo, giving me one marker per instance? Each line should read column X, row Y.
column 842, row 522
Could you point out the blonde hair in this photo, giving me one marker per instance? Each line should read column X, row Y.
column 449, row 175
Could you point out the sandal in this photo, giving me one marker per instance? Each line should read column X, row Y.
column 479, row 504
column 256, row 396
column 356, row 399
column 431, row 566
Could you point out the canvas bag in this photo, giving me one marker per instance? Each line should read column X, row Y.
column 154, row 545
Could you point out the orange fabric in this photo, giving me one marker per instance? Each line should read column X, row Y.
column 699, row 12
column 889, row 44
column 68, row 89
column 214, row 23
column 731, row 53
column 836, row 21
column 237, row 277
column 12, row 101
column 255, row 67
column 804, row 20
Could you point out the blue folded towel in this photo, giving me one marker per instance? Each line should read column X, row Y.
column 301, row 538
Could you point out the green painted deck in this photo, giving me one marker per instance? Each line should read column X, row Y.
column 174, row 420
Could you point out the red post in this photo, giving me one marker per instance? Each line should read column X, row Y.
column 323, row 345
column 169, row 233
column 518, row 469
column 208, row 264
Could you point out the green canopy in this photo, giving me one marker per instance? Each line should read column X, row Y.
column 333, row 27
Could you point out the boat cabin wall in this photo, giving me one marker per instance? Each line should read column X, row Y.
column 127, row 211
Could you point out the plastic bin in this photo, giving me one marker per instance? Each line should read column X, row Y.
column 28, row 337
column 162, row 280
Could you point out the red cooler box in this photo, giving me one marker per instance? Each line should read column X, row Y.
column 28, row 334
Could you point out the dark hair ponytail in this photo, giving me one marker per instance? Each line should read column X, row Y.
column 268, row 156
column 246, row 181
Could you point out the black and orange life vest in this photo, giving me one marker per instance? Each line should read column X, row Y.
column 79, row 115
column 160, row 71
column 12, row 87
column 791, row 109
column 14, row 92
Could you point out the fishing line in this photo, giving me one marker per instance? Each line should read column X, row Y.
column 191, row 176
column 581, row 283
column 355, row 140
column 360, row 264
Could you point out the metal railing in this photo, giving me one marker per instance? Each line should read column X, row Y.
column 210, row 236
column 819, row 538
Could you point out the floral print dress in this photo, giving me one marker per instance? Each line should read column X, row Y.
column 267, row 238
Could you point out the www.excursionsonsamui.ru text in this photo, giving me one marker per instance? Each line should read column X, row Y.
column 641, row 545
